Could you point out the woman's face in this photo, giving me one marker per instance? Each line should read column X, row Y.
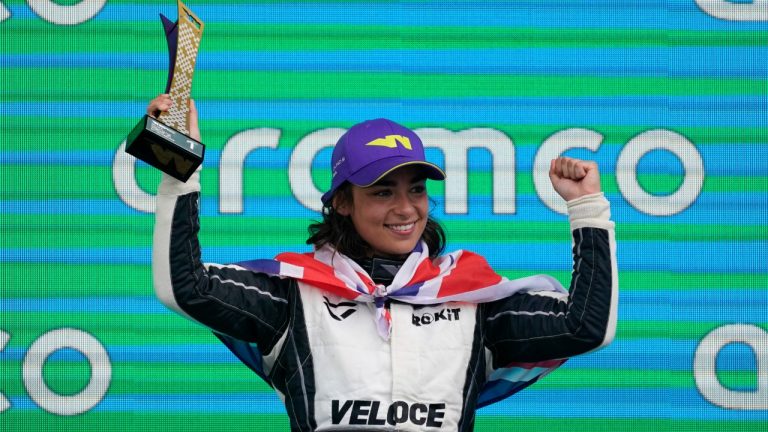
column 391, row 214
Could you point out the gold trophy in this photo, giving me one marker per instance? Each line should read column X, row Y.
column 164, row 142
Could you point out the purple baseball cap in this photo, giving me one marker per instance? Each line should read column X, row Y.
column 372, row 149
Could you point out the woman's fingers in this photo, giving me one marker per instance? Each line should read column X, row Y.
column 161, row 103
column 570, row 168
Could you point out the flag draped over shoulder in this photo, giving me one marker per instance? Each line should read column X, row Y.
column 458, row 276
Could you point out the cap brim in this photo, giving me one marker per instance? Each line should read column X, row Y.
column 375, row 171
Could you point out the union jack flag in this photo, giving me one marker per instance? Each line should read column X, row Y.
column 458, row 276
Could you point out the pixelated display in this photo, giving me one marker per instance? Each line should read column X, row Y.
column 669, row 97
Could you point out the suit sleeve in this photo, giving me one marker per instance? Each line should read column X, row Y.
column 228, row 299
column 533, row 327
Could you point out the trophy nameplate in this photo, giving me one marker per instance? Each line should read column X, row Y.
column 164, row 142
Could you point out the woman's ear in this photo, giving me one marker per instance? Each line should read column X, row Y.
column 341, row 205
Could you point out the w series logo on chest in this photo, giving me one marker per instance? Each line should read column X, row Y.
column 340, row 311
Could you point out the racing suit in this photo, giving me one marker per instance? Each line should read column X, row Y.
column 324, row 357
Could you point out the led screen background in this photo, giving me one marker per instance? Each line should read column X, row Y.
column 685, row 80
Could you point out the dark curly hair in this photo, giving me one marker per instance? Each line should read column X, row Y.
column 338, row 231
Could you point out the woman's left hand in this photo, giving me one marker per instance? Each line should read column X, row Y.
column 574, row 178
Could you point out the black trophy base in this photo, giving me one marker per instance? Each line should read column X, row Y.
column 165, row 148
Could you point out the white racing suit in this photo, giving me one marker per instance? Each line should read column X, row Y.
column 322, row 352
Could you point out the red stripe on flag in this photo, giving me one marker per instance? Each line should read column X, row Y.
column 367, row 281
column 424, row 272
column 318, row 274
column 472, row 272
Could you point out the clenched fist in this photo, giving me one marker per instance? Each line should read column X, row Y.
column 574, row 178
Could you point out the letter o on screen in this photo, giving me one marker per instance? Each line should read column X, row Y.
column 66, row 14
column 683, row 149
column 49, row 343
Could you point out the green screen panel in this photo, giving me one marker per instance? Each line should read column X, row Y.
column 682, row 80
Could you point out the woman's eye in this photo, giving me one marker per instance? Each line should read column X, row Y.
column 419, row 189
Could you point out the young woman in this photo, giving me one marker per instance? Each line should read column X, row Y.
column 377, row 329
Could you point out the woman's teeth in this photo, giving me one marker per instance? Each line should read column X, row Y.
column 402, row 228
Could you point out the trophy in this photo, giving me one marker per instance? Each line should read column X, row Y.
column 164, row 142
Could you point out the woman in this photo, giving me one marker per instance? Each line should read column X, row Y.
column 376, row 329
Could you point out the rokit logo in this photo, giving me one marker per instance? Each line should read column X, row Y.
column 427, row 318
column 340, row 311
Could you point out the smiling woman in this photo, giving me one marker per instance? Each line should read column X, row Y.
column 377, row 327
column 396, row 207
column 378, row 194
column 391, row 214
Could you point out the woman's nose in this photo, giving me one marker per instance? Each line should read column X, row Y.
column 403, row 204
